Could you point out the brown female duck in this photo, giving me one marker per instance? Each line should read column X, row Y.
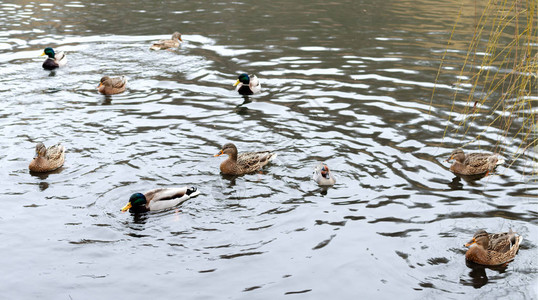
column 239, row 164
column 167, row 44
column 493, row 249
column 112, row 85
column 47, row 160
column 473, row 163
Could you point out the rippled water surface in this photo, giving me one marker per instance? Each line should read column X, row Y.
column 345, row 82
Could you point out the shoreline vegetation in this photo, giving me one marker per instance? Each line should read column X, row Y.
column 496, row 85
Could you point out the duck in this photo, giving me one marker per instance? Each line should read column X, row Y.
column 54, row 60
column 47, row 160
column 112, row 85
column 493, row 249
column 323, row 176
column 247, row 85
column 247, row 162
column 167, row 44
column 473, row 163
column 160, row 198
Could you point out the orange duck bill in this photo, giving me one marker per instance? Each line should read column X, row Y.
column 218, row 154
column 470, row 242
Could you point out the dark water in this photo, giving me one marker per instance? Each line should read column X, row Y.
column 345, row 82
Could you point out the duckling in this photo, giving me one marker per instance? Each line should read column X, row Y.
column 243, row 163
column 323, row 176
column 110, row 86
column 54, row 60
column 167, row 44
column 473, row 163
column 247, row 85
column 47, row 160
column 160, row 198
column 493, row 249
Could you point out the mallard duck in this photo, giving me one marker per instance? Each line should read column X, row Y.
column 473, row 163
column 243, row 163
column 322, row 175
column 158, row 199
column 493, row 249
column 247, row 85
column 54, row 60
column 166, row 44
column 47, row 160
column 110, row 86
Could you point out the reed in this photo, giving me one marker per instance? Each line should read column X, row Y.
column 497, row 82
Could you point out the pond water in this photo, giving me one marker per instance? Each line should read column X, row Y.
column 344, row 82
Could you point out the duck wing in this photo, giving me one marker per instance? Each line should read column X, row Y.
column 165, row 44
column 167, row 197
column 254, row 84
column 503, row 242
column 118, row 82
column 60, row 58
column 476, row 159
column 252, row 161
column 55, row 152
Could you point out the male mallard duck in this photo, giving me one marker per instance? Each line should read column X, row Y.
column 54, row 60
column 247, row 85
column 47, row 160
column 110, row 86
column 243, row 163
column 166, row 44
column 322, row 175
column 157, row 199
column 493, row 249
column 473, row 163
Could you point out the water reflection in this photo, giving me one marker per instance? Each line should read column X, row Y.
column 456, row 184
column 478, row 275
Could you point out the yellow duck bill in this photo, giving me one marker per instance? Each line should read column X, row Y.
column 126, row 207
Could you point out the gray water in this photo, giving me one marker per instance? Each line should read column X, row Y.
column 344, row 82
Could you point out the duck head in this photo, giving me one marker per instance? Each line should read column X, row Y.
column 49, row 52
column 229, row 149
column 40, row 150
column 103, row 80
column 243, row 78
column 325, row 171
column 177, row 36
column 458, row 155
column 480, row 238
column 136, row 202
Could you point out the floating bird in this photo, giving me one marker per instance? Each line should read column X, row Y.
column 243, row 163
column 473, row 163
column 493, row 249
column 158, row 199
column 246, row 85
column 167, row 44
column 47, row 160
column 54, row 60
column 112, row 85
column 322, row 175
